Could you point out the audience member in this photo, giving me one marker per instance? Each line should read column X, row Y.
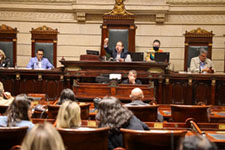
column 155, row 49
column 197, row 142
column 5, row 97
column 39, row 62
column 201, row 63
column 43, row 137
column 4, row 61
column 66, row 94
column 136, row 97
column 132, row 78
column 119, row 53
column 112, row 114
column 18, row 113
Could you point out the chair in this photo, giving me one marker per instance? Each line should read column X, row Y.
column 194, row 40
column 180, row 113
column 75, row 139
column 8, row 41
column 45, row 38
column 10, row 136
column 53, row 111
column 145, row 113
column 153, row 139
column 119, row 26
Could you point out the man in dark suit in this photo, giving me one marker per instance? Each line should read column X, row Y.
column 118, row 53
column 132, row 78
column 136, row 97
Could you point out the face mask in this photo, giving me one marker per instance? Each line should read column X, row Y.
column 156, row 48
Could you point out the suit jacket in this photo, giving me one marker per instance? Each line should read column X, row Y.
column 113, row 53
column 127, row 81
column 5, row 63
column 195, row 64
column 136, row 103
column 45, row 64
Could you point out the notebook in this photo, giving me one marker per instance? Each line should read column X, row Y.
column 138, row 56
column 92, row 52
column 162, row 57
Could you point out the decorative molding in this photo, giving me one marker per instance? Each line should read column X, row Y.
column 81, row 16
column 195, row 2
column 64, row 1
column 44, row 30
column 199, row 33
column 7, row 29
column 160, row 18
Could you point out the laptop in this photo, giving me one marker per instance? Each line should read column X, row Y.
column 92, row 52
column 162, row 57
column 137, row 56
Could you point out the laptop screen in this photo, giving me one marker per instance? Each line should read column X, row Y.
column 162, row 57
column 138, row 56
column 92, row 52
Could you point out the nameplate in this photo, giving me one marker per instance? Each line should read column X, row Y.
column 221, row 126
column 91, row 123
column 158, row 125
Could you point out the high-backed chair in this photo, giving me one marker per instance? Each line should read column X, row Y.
column 145, row 113
column 118, row 25
column 194, row 41
column 10, row 136
column 45, row 38
column 75, row 139
column 180, row 113
column 8, row 41
column 153, row 139
column 53, row 111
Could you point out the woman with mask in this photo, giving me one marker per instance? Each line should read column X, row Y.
column 150, row 56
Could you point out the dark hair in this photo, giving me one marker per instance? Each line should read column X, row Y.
column 66, row 94
column 18, row 110
column 40, row 50
column 157, row 41
column 112, row 114
column 120, row 42
column 197, row 142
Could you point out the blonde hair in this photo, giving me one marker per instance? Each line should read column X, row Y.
column 2, row 52
column 41, row 137
column 1, row 88
column 68, row 115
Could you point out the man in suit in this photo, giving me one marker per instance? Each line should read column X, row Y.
column 201, row 63
column 39, row 62
column 132, row 78
column 118, row 53
column 136, row 97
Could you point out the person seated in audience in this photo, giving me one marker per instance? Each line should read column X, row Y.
column 119, row 53
column 18, row 113
column 132, row 78
column 201, row 63
column 66, row 94
column 43, row 137
column 5, row 97
column 4, row 62
column 137, row 100
column 197, row 142
column 150, row 56
column 112, row 114
column 69, row 116
column 39, row 62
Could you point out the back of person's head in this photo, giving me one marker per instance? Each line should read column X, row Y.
column 3, row 54
column 65, row 95
column 68, row 115
column 112, row 114
column 136, row 94
column 197, row 142
column 18, row 110
column 43, row 137
column 1, row 89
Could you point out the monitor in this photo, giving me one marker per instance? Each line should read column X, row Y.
column 92, row 52
column 137, row 56
column 162, row 57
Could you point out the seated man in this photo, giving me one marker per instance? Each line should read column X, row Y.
column 4, row 61
column 39, row 62
column 201, row 63
column 136, row 97
column 119, row 53
column 150, row 56
column 5, row 97
column 132, row 78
